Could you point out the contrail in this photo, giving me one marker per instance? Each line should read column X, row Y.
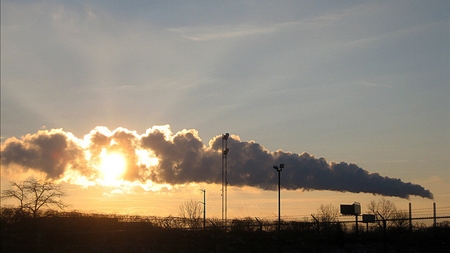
column 184, row 158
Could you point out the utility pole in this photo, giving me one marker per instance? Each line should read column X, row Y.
column 204, row 207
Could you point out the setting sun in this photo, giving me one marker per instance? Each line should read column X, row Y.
column 113, row 166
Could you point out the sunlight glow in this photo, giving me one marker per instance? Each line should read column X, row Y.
column 146, row 157
column 112, row 167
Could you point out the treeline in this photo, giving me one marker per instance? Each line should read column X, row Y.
column 322, row 222
column 52, row 231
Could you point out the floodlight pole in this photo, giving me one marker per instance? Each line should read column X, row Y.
column 279, row 169
column 224, row 176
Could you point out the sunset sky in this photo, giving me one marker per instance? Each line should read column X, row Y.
column 125, row 103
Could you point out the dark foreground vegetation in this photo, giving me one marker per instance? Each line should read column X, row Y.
column 77, row 232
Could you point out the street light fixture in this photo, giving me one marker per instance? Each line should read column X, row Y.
column 279, row 169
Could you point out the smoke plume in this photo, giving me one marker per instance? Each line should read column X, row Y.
column 183, row 158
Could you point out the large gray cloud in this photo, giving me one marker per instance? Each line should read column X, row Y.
column 184, row 158
column 51, row 152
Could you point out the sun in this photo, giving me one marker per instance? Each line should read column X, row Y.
column 113, row 166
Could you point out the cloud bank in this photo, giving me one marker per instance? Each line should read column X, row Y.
column 159, row 156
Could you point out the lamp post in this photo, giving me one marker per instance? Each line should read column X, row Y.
column 204, row 207
column 279, row 169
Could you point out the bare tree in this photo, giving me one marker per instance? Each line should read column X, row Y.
column 328, row 213
column 190, row 211
column 327, row 217
column 16, row 191
column 34, row 194
column 400, row 220
column 383, row 209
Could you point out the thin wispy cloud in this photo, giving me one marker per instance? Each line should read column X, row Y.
column 372, row 84
column 219, row 32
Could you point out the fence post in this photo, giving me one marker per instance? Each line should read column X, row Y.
column 434, row 214
column 410, row 217
column 260, row 224
column 318, row 224
column 384, row 231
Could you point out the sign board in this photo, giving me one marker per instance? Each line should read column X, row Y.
column 354, row 209
column 347, row 209
column 368, row 218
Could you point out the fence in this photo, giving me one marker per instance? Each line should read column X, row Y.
column 412, row 219
column 75, row 232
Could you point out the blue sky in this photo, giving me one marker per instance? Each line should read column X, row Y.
column 364, row 82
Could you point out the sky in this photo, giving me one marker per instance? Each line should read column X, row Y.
column 126, row 103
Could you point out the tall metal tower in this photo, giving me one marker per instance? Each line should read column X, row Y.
column 225, row 151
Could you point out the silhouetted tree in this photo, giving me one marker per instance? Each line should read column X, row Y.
column 34, row 194
column 328, row 213
column 327, row 216
column 190, row 212
column 400, row 220
column 383, row 207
